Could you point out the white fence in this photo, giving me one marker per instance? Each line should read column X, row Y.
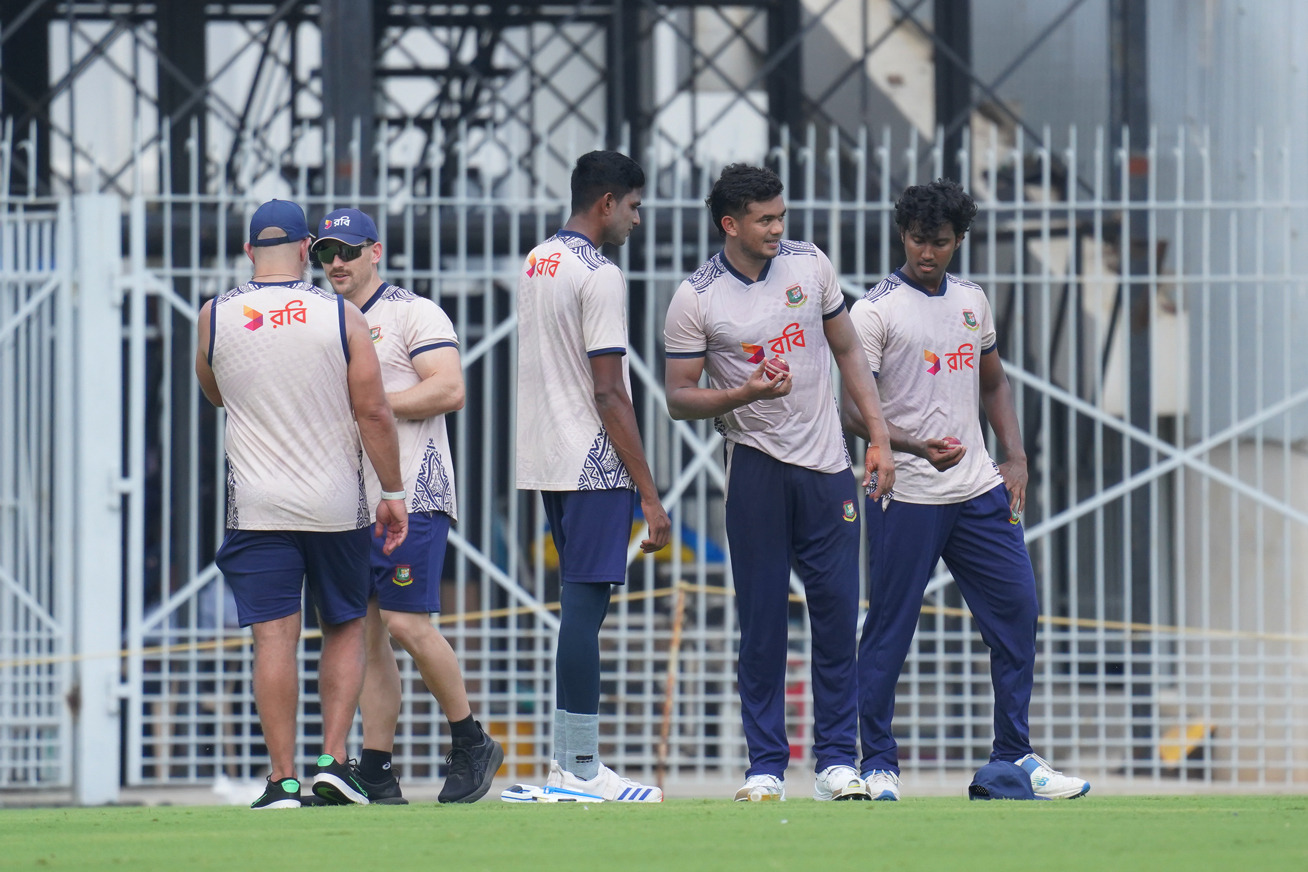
column 1163, row 421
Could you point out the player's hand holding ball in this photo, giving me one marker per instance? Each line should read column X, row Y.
column 944, row 454
column 770, row 381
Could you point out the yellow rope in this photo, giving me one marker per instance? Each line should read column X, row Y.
column 1138, row 628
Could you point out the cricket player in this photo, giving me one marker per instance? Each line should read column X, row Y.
column 930, row 339
column 763, row 319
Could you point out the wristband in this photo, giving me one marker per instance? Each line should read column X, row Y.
column 393, row 495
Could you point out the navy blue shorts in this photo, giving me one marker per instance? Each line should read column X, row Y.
column 409, row 578
column 591, row 532
column 267, row 571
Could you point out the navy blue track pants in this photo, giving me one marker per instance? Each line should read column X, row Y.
column 781, row 516
column 988, row 558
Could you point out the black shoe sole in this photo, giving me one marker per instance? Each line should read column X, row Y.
column 496, row 760
column 332, row 791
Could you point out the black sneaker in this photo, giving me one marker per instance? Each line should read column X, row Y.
column 279, row 794
column 337, row 783
column 383, row 792
column 471, row 768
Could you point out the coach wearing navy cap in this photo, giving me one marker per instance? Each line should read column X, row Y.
column 349, row 226
column 278, row 222
column 295, row 367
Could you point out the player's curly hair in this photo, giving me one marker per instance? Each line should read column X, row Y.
column 603, row 172
column 737, row 187
column 928, row 207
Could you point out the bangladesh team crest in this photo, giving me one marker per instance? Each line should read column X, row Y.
column 795, row 296
column 403, row 577
column 851, row 513
column 375, row 333
column 969, row 319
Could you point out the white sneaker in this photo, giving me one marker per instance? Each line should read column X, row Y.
column 1049, row 783
column 882, row 784
column 761, row 788
column 839, row 782
column 607, row 785
column 523, row 793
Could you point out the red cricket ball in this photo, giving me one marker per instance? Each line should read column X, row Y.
column 777, row 363
column 951, row 441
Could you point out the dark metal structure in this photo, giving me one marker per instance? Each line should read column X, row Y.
column 241, row 87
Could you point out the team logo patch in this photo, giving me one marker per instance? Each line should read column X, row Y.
column 969, row 319
column 755, row 352
column 1014, row 518
column 403, row 577
column 795, row 296
column 256, row 318
column 375, row 333
column 851, row 513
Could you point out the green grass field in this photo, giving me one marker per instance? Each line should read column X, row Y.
column 1239, row 833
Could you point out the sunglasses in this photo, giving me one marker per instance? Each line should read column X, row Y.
column 328, row 252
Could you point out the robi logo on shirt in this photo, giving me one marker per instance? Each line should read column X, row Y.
column 955, row 361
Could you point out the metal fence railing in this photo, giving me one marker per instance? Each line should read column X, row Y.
column 1147, row 342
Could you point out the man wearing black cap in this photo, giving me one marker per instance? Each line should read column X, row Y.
column 295, row 369
column 419, row 355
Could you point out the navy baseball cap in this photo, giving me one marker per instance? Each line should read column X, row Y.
column 349, row 226
column 1000, row 779
column 282, row 214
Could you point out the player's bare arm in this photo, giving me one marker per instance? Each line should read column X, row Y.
column 940, row 453
column 619, row 419
column 687, row 401
column 203, row 371
column 857, row 382
column 440, row 391
column 997, row 403
column 372, row 414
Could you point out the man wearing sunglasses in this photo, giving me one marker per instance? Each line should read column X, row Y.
column 293, row 366
column 419, row 355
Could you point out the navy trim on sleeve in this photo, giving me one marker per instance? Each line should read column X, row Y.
column 834, row 312
column 994, row 347
column 415, row 352
column 213, row 328
column 598, row 351
column 340, row 312
column 685, row 355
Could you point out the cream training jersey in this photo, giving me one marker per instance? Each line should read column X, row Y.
column 404, row 325
column 925, row 350
column 279, row 355
column 572, row 306
column 734, row 323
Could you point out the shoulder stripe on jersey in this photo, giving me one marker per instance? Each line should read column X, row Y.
column 213, row 327
column 796, row 246
column 435, row 345
column 950, row 277
column 685, row 355
column 701, row 278
column 598, row 351
column 881, row 288
column 340, row 314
